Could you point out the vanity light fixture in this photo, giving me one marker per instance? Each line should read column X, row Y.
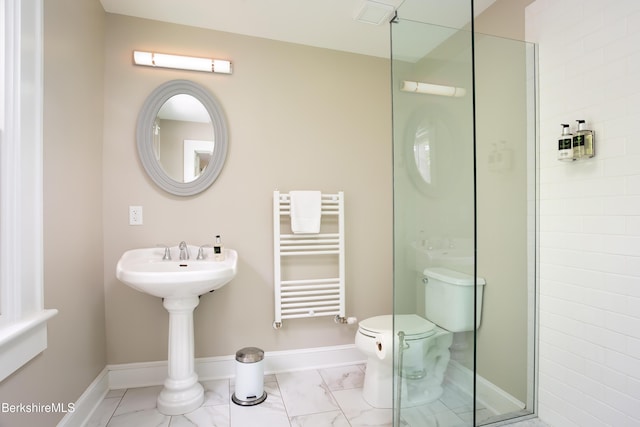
column 431, row 89
column 152, row 59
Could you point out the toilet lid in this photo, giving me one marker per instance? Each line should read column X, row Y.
column 411, row 324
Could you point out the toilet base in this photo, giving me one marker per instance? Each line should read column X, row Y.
column 430, row 356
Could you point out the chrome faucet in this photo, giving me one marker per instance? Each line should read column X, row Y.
column 167, row 251
column 201, row 254
column 184, row 251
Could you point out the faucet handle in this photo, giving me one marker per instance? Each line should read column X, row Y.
column 184, row 251
column 201, row 255
column 167, row 252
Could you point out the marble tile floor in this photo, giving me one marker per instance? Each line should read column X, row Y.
column 315, row 398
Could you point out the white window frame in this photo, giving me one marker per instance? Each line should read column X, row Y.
column 23, row 319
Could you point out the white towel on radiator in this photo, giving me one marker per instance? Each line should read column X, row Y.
column 305, row 211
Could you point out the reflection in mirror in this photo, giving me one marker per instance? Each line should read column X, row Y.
column 197, row 155
column 422, row 149
column 183, row 137
column 429, row 149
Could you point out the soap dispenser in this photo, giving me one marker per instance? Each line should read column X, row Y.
column 587, row 139
column 218, row 250
column 565, row 149
column 578, row 146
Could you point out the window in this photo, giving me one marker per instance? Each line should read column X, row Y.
column 23, row 319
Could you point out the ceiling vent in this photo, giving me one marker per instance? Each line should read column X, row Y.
column 374, row 13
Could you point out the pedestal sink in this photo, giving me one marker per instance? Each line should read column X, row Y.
column 179, row 283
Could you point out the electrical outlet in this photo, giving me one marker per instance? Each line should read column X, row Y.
column 135, row 215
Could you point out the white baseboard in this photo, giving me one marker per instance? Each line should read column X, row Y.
column 488, row 394
column 312, row 358
column 209, row 368
column 88, row 402
column 131, row 375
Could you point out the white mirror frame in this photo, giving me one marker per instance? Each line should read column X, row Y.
column 144, row 137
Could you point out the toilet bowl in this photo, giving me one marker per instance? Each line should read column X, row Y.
column 449, row 297
column 425, row 358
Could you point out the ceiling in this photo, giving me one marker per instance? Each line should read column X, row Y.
column 320, row 23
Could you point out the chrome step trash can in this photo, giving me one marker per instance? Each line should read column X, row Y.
column 249, row 377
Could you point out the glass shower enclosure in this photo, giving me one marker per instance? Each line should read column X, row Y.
column 464, row 146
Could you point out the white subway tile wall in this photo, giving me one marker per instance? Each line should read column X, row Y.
column 589, row 68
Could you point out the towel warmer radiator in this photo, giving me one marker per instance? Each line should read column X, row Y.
column 303, row 296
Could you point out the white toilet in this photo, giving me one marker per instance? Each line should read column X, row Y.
column 448, row 309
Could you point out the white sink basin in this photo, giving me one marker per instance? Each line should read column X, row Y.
column 179, row 283
column 144, row 270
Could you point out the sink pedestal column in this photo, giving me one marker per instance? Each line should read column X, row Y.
column 182, row 392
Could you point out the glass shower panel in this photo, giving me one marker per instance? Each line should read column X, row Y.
column 464, row 214
column 505, row 218
column 434, row 216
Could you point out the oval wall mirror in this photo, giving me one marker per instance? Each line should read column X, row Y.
column 429, row 142
column 182, row 137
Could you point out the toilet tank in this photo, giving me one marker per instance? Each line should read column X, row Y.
column 449, row 299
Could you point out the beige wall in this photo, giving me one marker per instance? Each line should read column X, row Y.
column 502, row 210
column 504, row 18
column 502, row 257
column 299, row 118
column 172, row 136
column 73, row 254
